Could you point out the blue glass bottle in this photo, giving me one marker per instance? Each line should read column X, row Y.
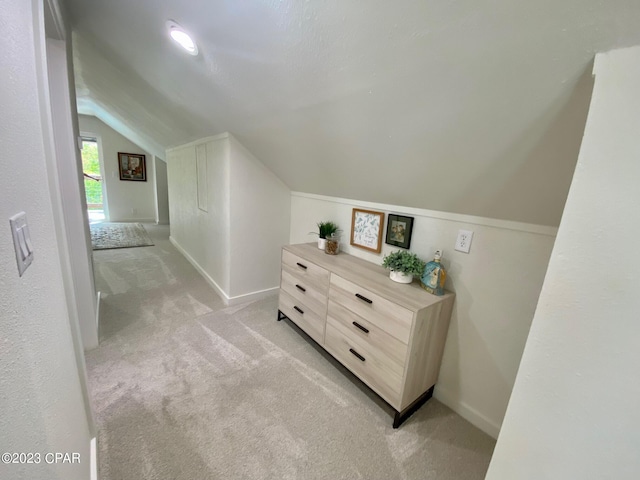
column 434, row 275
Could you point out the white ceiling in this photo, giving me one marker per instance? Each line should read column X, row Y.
column 459, row 106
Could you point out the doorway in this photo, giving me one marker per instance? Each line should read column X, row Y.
column 93, row 181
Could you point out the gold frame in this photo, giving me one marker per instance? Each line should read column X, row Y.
column 380, row 215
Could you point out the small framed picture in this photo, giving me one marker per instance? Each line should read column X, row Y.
column 366, row 229
column 399, row 230
column 132, row 167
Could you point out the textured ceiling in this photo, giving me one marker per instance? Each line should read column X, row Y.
column 459, row 106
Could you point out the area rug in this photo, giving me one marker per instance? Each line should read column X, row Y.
column 105, row 236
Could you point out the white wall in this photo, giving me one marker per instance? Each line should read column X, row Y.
column 236, row 243
column 161, row 192
column 574, row 409
column 69, row 174
column 202, row 236
column 41, row 400
column 122, row 196
column 497, row 286
column 260, row 213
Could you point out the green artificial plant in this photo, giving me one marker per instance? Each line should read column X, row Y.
column 405, row 262
column 325, row 229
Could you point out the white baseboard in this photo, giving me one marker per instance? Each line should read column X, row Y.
column 93, row 461
column 484, row 423
column 252, row 297
column 229, row 301
column 221, row 293
column 98, row 297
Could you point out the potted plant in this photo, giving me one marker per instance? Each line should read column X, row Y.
column 403, row 265
column 324, row 230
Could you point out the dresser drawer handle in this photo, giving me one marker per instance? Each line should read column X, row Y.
column 304, row 267
column 365, row 330
column 302, row 289
column 298, row 310
column 364, row 299
column 360, row 357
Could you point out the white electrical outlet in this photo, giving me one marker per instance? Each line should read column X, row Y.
column 463, row 242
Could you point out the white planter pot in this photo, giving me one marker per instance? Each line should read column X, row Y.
column 321, row 243
column 400, row 277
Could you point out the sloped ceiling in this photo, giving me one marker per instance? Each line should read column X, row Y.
column 458, row 106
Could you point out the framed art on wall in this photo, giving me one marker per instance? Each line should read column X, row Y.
column 132, row 167
column 399, row 230
column 366, row 229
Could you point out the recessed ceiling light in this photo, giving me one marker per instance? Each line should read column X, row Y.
column 182, row 38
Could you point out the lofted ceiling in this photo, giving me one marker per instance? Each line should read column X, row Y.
column 459, row 106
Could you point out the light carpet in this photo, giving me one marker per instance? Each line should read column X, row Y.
column 184, row 388
column 106, row 236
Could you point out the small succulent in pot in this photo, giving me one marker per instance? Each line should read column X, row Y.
column 403, row 266
column 325, row 229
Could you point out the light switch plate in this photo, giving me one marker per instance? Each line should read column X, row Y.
column 21, row 241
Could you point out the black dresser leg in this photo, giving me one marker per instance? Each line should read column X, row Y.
column 400, row 417
column 281, row 315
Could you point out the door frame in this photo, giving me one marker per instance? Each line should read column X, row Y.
column 57, row 99
column 105, row 198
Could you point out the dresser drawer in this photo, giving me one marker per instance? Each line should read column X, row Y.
column 305, row 292
column 390, row 336
column 386, row 315
column 305, row 318
column 364, row 363
column 363, row 332
column 306, row 270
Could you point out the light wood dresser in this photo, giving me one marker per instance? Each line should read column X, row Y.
column 390, row 335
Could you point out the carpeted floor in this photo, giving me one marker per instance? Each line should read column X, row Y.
column 184, row 388
column 108, row 235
